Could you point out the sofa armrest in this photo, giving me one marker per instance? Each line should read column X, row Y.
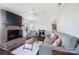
column 77, row 49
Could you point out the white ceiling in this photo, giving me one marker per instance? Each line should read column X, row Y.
column 42, row 9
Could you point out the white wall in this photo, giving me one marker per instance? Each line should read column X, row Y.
column 43, row 24
column 69, row 20
column 40, row 23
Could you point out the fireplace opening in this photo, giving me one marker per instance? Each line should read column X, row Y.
column 14, row 34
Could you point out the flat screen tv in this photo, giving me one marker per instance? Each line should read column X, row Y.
column 13, row 19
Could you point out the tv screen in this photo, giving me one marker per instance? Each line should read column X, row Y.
column 13, row 19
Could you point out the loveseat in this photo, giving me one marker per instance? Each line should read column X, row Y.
column 67, row 43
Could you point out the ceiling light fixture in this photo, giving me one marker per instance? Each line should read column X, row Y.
column 33, row 14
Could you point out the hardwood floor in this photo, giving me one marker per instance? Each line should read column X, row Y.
column 8, row 52
column 4, row 52
column 54, row 52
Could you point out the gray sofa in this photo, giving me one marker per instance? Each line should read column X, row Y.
column 68, row 44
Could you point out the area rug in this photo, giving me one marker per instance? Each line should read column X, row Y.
column 21, row 51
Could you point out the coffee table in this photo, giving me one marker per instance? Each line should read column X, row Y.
column 21, row 51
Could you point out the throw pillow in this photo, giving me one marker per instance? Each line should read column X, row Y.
column 57, row 42
column 55, row 38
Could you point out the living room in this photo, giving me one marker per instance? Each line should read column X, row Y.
column 41, row 29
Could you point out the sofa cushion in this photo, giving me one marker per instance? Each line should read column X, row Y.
column 69, row 42
column 47, row 41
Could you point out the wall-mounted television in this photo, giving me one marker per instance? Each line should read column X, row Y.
column 12, row 18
